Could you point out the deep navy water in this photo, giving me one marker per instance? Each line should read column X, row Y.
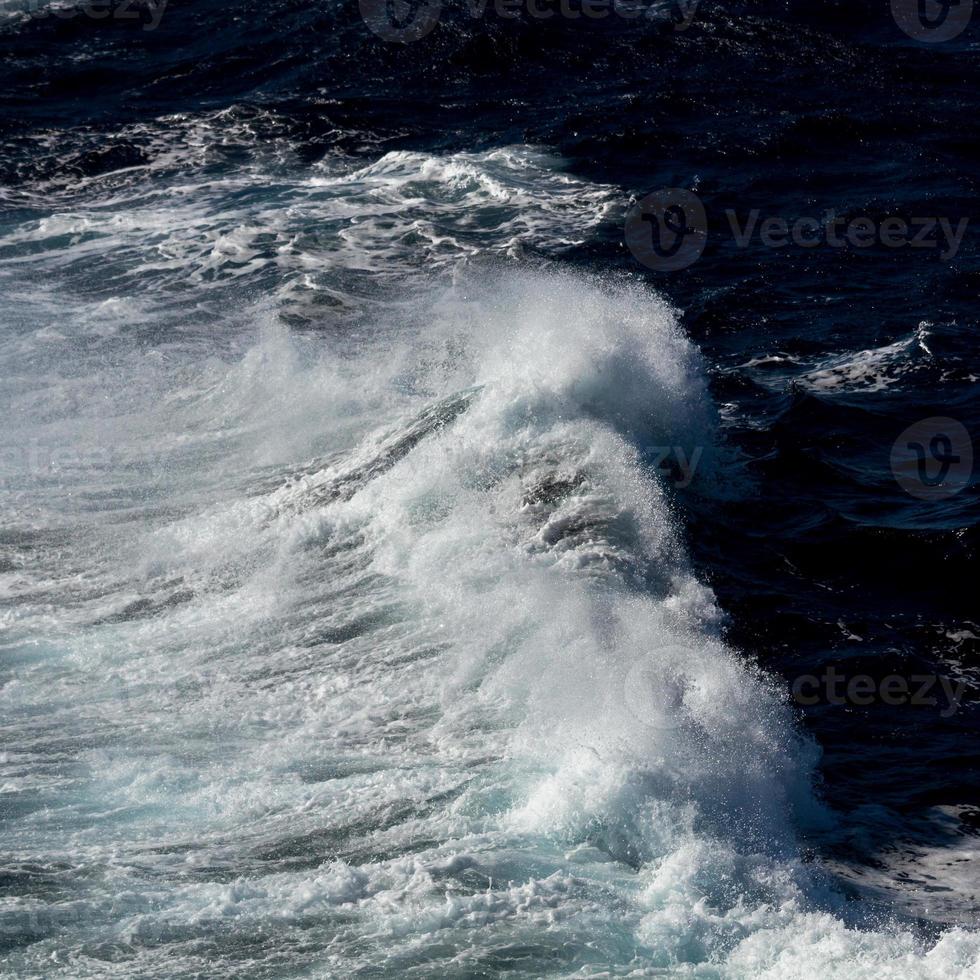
column 349, row 543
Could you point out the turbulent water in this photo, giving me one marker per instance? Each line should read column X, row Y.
column 399, row 579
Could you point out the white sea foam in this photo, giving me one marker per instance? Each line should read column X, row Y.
column 322, row 240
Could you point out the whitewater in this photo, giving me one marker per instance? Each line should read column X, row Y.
column 377, row 651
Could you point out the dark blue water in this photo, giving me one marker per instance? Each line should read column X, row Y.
column 210, row 212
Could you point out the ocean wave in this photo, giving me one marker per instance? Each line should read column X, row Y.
column 475, row 712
